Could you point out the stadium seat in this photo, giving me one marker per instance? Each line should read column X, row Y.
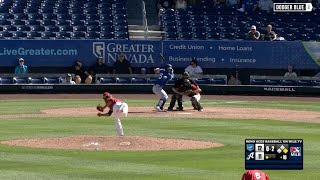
column 33, row 34
column 52, row 80
column 20, row 80
column 93, row 28
column 63, row 35
column 5, row 80
column 77, row 35
column 316, row 83
column 48, row 35
column 23, row 28
column 106, row 35
column 9, row 28
column 33, row 22
column 107, row 80
column 273, row 82
column 65, row 28
column 21, row 16
column 124, row 80
column 218, row 81
column 18, row 35
column 288, row 82
column 5, row 35
column 304, row 83
column 203, row 81
column 258, row 82
column 37, row 81
column 52, row 28
column 92, row 35
column 37, row 28
column 139, row 80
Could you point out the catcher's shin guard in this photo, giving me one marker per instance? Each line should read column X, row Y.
column 194, row 102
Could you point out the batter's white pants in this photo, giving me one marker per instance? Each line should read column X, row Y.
column 157, row 89
column 120, row 109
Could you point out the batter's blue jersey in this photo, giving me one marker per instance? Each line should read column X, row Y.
column 164, row 77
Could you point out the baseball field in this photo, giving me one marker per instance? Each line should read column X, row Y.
column 61, row 137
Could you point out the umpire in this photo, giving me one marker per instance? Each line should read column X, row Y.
column 179, row 86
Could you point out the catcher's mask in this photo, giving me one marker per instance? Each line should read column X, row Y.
column 185, row 75
column 106, row 96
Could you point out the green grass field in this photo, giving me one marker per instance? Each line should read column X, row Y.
column 223, row 163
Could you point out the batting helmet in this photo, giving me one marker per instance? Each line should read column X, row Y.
column 107, row 95
column 169, row 68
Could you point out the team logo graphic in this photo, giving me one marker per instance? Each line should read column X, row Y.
column 295, row 151
column 259, row 148
column 98, row 49
column 250, row 147
column 250, row 156
column 312, row 49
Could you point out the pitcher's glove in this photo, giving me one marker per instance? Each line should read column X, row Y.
column 100, row 108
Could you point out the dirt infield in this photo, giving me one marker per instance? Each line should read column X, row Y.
column 126, row 143
column 147, row 143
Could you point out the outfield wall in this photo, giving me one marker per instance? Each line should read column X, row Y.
column 210, row 54
column 147, row 89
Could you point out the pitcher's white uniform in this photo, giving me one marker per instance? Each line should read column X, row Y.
column 120, row 109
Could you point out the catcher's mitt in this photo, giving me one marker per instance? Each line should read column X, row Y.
column 100, row 108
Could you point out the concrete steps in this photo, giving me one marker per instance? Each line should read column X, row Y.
column 136, row 32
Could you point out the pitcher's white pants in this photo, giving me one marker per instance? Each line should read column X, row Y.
column 120, row 109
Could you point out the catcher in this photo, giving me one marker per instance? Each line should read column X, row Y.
column 191, row 90
column 178, row 97
column 117, row 109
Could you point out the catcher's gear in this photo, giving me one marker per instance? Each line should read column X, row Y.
column 100, row 108
column 186, row 85
column 185, row 75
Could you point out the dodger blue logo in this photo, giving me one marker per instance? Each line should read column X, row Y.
column 250, row 147
column 98, row 49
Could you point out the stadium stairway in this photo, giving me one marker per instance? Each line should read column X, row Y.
column 136, row 32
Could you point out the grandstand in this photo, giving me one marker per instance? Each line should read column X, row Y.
column 77, row 25
column 206, row 21
column 63, row 19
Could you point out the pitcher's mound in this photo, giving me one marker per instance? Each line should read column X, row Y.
column 126, row 143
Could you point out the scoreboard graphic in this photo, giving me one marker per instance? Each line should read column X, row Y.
column 274, row 154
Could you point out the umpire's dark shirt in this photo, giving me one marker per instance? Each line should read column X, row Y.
column 179, row 82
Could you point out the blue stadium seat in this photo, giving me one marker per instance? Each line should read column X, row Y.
column 79, row 28
column 52, row 28
column 203, row 81
column 48, row 35
column 92, row 17
column 63, row 23
column 52, row 80
column 124, row 80
column 181, row 29
column 213, row 36
column 49, row 16
column 92, row 35
column 185, row 36
column 78, row 17
column 23, row 28
column 304, row 83
column 65, row 28
column 139, row 80
column 5, row 80
column 105, row 10
column 4, row 22
column 107, row 80
column 37, row 28
column 273, row 82
column 6, row 16
column 106, row 35
column 93, row 28
column 93, row 11
column 91, row 23
column 106, row 28
column 288, row 82
column 218, row 81
column 121, row 35
column 9, row 28
column 33, row 34
column 20, row 80
column 316, row 83
column 63, row 17
column 19, row 34
column 48, row 23
column 5, row 35
column 33, row 22
column 21, row 16
column 37, row 81
column 258, row 82
column 63, row 35
column 199, row 36
column 77, row 35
